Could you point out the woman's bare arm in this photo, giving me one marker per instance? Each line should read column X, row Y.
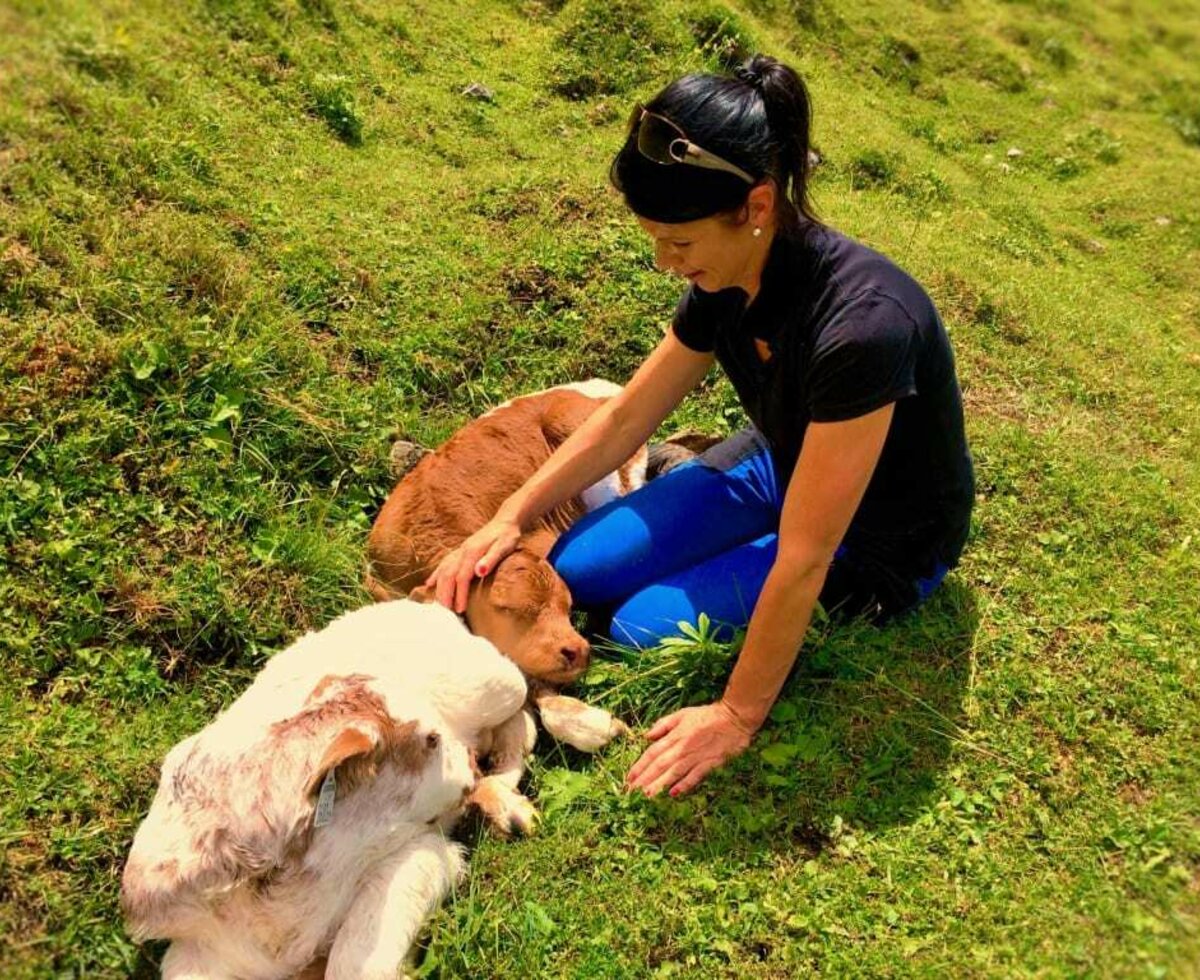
column 613, row 432
column 828, row 484
column 606, row 440
column 830, row 478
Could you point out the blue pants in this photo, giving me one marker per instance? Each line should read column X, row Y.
column 701, row 538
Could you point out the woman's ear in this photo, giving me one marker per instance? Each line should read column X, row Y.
column 761, row 203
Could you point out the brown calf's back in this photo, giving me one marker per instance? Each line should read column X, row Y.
column 457, row 489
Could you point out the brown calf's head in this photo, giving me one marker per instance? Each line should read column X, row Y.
column 524, row 608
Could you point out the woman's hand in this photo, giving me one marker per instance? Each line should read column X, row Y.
column 688, row 745
column 475, row 557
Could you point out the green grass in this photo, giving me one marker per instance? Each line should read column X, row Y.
column 244, row 244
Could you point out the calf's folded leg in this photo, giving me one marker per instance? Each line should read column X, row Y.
column 392, row 906
column 580, row 725
column 496, row 794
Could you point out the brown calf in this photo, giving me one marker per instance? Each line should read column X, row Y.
column 523, row 606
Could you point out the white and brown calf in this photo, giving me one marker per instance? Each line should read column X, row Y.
column 309, row 819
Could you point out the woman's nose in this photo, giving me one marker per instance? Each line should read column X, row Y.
column 665, row 257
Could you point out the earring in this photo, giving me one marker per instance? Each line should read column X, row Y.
column 757, row 232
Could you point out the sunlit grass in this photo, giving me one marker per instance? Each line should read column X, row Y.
column 245, row 244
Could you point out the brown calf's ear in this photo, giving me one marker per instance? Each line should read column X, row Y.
column 422, row 593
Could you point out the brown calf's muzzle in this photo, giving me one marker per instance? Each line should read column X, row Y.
column 524, row 608
column 559, row 658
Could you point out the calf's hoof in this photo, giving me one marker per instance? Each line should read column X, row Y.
column 509, row 812
column 580, row 725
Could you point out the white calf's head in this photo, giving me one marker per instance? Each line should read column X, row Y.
column 226, row 814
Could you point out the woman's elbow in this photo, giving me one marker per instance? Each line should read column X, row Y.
column 804, row 565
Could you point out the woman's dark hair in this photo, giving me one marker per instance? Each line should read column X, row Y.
column 758, row 118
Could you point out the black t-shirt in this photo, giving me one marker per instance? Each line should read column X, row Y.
column 850, row 332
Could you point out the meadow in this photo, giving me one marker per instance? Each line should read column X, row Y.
column 247, row 244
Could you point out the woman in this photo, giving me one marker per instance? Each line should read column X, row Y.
column 853, row 488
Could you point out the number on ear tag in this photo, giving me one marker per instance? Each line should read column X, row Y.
column 325, row 799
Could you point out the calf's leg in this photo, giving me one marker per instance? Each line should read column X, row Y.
column 496, row 794
column 393, row 904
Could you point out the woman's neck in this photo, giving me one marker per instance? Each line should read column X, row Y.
column 751, row 280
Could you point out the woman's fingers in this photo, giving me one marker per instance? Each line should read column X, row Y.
column 447, row 575
column 664, row 779
column 693, row 779
column 663, row 762
column 682, row 775
column 475, row 558
column 491, row 558
column 653, row 765
column 648, row 765
column 463, row 577
column 690, row 744
column 664, row 725
column 658, row 755
column 681, row 772
column 443, row 579
column 451, row 580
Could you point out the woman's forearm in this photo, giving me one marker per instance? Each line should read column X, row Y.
column 777, row 627
column 604, row 441
column 612, row 433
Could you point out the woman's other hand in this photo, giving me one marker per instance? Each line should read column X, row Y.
column 474, row 558
column 688, row 745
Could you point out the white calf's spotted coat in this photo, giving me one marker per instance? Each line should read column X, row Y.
column 396, row 699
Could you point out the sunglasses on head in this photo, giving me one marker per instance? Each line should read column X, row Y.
column 660, row 140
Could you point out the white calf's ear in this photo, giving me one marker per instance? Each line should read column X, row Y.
column 351, row 741
column 346, row 760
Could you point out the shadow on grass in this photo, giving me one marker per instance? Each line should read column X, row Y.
column 858, row 739
column 148, row 962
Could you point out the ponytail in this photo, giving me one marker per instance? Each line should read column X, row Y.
column 789, row 119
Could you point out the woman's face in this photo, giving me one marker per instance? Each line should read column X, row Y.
column 711, row 253
column 717, row 253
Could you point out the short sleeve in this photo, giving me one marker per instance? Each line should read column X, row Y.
column 696, row 321
column 864, row 359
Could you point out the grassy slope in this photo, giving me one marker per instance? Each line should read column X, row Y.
column 220, row 298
